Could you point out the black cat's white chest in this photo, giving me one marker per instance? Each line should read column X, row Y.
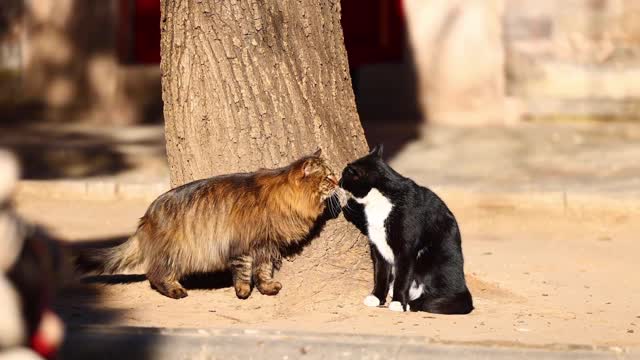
column 377, row 208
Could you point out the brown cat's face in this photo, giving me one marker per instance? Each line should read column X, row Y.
column 319, row 176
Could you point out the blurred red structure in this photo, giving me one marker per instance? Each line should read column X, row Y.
column 139, row 32
column 374, row 31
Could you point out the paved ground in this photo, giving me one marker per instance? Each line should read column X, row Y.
column 159, row 344
column 537, row 281
column 547, row 214
column 577, row 161
column 563, row 166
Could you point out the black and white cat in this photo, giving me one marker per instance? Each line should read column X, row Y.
column 414, row 238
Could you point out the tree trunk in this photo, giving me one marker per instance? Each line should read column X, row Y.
column 250, row 84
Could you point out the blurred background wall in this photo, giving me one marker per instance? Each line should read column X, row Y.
column 478, row 61
column 77, row 62
column 574, row 58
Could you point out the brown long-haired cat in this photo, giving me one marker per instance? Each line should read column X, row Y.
column 239, row 221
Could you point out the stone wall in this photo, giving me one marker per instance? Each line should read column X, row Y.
column 574, row 58
column 11, row 36
column 459, row 57
column 478, row 61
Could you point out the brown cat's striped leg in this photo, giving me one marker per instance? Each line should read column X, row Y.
column 264, row 278
column 166, row 284
column 241, row 267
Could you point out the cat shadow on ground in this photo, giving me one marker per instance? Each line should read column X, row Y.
column 205, row 281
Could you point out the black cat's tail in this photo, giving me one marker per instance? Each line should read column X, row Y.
column 460, row 303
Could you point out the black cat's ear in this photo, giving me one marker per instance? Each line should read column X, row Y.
column 318, row 152
column 377, row 151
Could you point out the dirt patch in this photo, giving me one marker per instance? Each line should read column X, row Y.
column 536, row 281
column 491, row 290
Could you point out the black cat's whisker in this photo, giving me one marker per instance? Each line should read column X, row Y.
column 332, row 206
column 353, row 212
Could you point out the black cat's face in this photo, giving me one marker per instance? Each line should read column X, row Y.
column 360, row 176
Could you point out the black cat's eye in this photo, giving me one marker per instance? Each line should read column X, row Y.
column 351, row 171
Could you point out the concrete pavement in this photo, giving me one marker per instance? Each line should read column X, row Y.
column 578, row 168
column 160, row 344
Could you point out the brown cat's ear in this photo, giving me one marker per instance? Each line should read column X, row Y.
column 309, row 167
column 318, row 152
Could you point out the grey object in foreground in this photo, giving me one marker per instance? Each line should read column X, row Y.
column 156, row 343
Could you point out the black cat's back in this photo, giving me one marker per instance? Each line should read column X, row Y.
column 439, row 266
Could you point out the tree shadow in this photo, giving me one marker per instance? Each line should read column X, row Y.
column 57, row 152
column 52, row 156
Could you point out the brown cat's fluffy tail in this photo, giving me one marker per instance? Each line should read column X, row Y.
column 110, row 260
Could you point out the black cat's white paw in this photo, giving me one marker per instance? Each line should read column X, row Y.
column 397, row 306
column 371, row 301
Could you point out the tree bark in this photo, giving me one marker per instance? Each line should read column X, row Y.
column 250, row 84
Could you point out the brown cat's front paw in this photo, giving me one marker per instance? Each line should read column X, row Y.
column 243, row 290
column 177, row 293
column 270, row 288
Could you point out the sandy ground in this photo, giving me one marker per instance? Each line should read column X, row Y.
column 538, row 279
